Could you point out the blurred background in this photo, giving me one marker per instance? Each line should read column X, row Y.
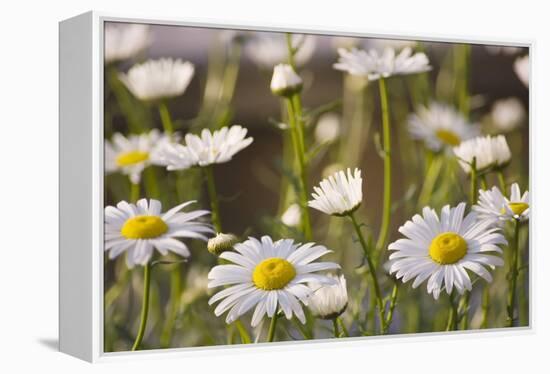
column 231, row 85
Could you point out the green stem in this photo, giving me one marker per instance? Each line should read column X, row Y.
column 465, row 307
column 485, row 307
column 393, row 302
column 272, row 327
column 125, row 102
column 245, row 337
column 432, row 173
column 501, row 180
column 372, row 271
column 386, row 140
column 513, row 276
column 342, row 326
column 294, row 107
column 144, row 306
column 231, row 73
column 462, row 71
column 336, row 328
column 175, row 301
column 214, row 204
column 523, row 307
column 291, row 50
column 452, row 320
column 230, row 334
column 483, row 180
column 306, row 333
column 165, row 118
column 151, row 185
column 473, row 183
column 134, row 192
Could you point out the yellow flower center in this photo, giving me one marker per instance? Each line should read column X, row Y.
column 131, row 158
column 273, row 274
column 448, row 137
column 448, row 248
column 143, row 227
column 517, row 208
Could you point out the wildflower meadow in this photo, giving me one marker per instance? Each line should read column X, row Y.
column 266, row 187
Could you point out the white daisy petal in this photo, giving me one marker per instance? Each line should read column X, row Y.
column 207, row 149
column 125, row 40
column 374, row 65
column 229, row 291
column 158, row 79
column 488, row 152
column 271, row 304
column 269, row 49
column 259, row 312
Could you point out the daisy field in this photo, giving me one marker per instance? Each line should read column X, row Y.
column 266, row 187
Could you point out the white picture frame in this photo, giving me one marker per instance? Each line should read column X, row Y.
column 81, row 186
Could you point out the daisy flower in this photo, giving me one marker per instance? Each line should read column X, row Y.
column 340, row 194
column 158, row 79
column 123, row 41
column 130, row 155
column 207, row 149
column 488, row 151
column 442, row 249
column 507, row 114
column 268, row 275
column 440, row 126
column 268, row 50
column 138, row 229
column 328, row 301
column 374, row 65
column 521, row 67
column 495, row 207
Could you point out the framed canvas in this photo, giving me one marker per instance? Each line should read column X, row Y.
column 240, row 186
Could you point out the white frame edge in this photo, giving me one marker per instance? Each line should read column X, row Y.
column 81, row 188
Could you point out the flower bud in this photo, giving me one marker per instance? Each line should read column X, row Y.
column 329, row 301
column 292, row 216
column 285, row 81
column 328, row 128
column 221, row 243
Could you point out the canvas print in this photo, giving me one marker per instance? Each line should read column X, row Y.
column 279, row 187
